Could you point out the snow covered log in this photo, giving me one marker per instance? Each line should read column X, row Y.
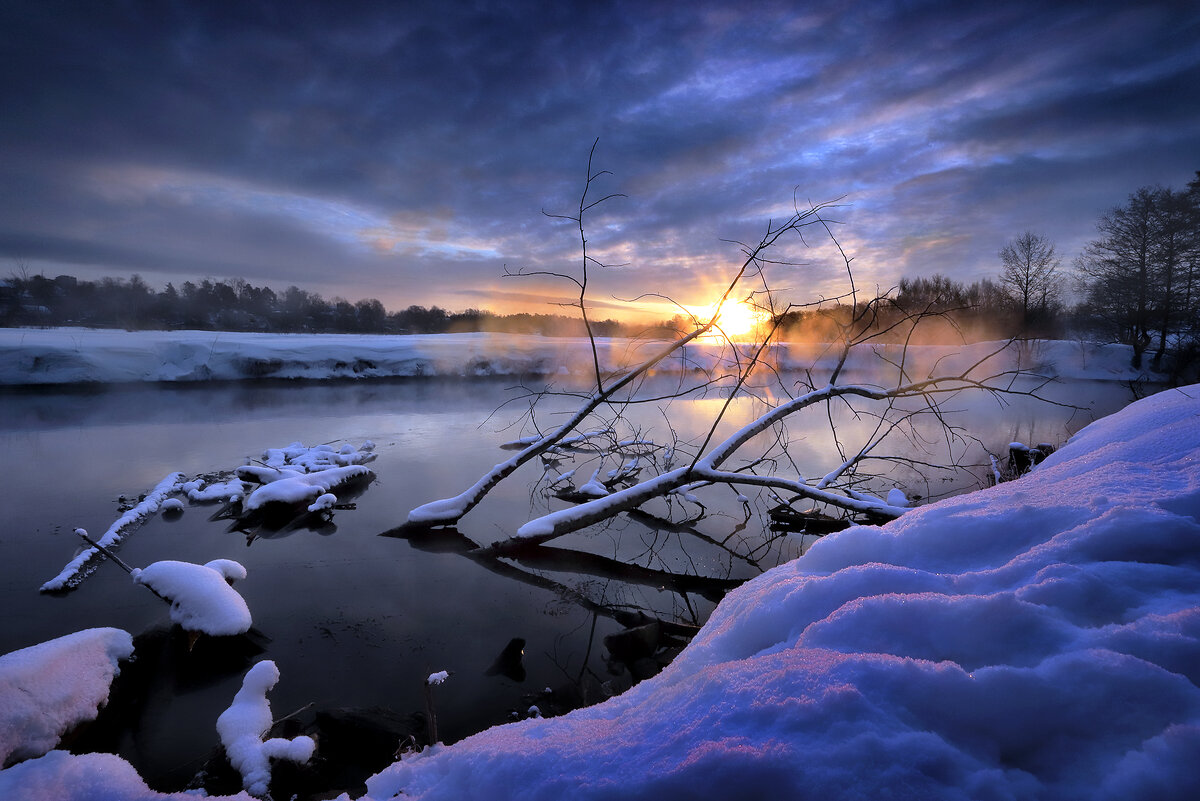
column 70, row 575
column 47, row 689
column 1037, row 639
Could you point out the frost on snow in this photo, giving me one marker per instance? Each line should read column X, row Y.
column 71, row 574
column 201, row 598
column 242, row 726
column 47, row 689
column 1037, row 639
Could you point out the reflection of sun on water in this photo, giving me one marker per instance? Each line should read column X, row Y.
column 738, row 320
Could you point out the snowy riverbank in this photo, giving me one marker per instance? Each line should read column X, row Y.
column 1038, row 639
column 30, row 356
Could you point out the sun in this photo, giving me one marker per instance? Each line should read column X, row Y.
column 737, row 319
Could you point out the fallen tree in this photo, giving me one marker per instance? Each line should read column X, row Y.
column 755, row 456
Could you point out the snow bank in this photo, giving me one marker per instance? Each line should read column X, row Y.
column 201, row 598
column 242, row 726
column 73, row 573
column 47, row 689
column 76, row 355
column 59, row 776
column 1039, row 639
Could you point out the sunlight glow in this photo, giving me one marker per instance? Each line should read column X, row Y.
column 738, row 320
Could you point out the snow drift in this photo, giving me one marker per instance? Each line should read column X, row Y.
column 1040, row 639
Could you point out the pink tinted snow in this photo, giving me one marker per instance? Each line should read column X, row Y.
column 61, row 776
column 48, row 688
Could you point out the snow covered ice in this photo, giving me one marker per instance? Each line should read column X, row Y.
column 1039, row 639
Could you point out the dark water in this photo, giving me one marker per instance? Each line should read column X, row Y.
column 358, row 620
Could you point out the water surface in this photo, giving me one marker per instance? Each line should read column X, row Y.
column 358, row 620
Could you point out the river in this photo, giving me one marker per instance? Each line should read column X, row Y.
column 358, row 620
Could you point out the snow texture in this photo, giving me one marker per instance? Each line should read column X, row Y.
column 200, row 595
column 304, row 489
column 48, row 688
column 302, row 476
column 77, row 355
column 242, row 726
column 60, row 776
column 1038, row 639
column 73, row 573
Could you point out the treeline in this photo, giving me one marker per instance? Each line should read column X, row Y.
column 950, row 311
column 1137, row 283
column 1141, row 277
column 240, row 306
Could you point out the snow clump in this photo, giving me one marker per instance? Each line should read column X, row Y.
column 200, row 595
column 242, row 726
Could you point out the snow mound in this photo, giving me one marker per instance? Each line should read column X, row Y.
column 48, row 688
column 1038, row 639
column 59, row 776
column 242, row 726
column 201, row 598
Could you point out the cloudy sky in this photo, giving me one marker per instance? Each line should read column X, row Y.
column 407, row 150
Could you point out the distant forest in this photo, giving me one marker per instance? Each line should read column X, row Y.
column 240, row 306
column 1138, row 283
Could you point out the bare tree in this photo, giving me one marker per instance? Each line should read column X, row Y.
column 756, row 457
column 1140, row 275
column 1030, row 276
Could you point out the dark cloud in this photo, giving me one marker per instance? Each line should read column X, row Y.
column 407, row 150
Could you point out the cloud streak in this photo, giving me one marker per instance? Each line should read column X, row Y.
column 407, row 151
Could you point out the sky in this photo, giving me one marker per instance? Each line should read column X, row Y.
column 412, row 151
